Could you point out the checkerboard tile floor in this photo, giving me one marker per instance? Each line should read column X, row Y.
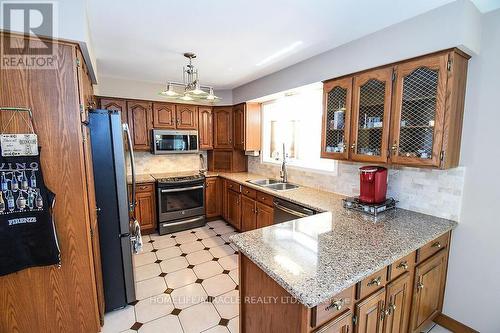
column 185, row 282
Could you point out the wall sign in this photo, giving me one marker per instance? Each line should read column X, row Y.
column 19, row 144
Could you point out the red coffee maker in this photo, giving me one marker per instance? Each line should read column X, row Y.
column 372, row 184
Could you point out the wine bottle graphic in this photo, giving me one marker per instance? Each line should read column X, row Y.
column 21, row 201
column 5, row 186
column 33, row 179
column 2, row 203
column 39, row 200
column 10, row 201
column 24, row 182
column 19, row 176
column 14, row 185
column 31, row 199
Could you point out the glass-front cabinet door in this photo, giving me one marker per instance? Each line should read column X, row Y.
column 419, row 98
column 336, row 118
column 371, row 112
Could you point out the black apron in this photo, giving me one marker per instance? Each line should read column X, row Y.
column 27, row 231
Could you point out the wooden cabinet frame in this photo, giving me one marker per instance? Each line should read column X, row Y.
column 438, row 63
column 382, row 75
column 163, row 115
column 345, row 83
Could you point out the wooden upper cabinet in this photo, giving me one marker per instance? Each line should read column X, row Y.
column 398, row 302
column 419, row 111
column 369, row 313
column 205, row 127
column 371, row 108
column 164, row 115
column 428, row 291
column 223, row 127
column 187, row 116
column 115, row 104
column 140, row 122
column 336, row 118
column 239, row 126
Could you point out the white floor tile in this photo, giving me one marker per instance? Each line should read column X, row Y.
column 227, row 304
column 217, row 329
column 234, row 325
column 221, row 251
column 199, row 257
column 223, row 230
column 228, row 235
column 188, row 295
column 174, row 264
column 118, row 320
column 180, row 278
column 217, row 223
column 187, row 238
column 207, row 269
column 168, row 253
column 153, row 307
column 229, row 262
column 165, row 324
column 143, row 259
column 218, row 285
column 146, row 247
column 150, row 287
column 146, row 272
column 213, row 241
column 235, row 275
column 198, row 318
column 192, row 247
column 162, row 243
column 205, row 233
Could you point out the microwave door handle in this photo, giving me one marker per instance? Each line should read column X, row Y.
column 182, row 189
column 126, row 129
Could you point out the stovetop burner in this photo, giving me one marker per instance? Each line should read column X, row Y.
column 179, row 179
column 371, row 209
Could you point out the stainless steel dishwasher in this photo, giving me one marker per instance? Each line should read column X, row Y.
column 287, row 211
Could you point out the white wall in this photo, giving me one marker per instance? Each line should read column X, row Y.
column 454, row 25
column 118, row 87
column 473, row 287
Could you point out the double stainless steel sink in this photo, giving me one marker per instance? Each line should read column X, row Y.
column 273, row 184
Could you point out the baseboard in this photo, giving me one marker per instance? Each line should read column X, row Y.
column 452, row 325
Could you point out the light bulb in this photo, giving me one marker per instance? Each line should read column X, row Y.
column 169, row 91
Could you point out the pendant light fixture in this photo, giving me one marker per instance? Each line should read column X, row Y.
column 192, row 89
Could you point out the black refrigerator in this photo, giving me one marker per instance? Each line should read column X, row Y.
column 116, row 233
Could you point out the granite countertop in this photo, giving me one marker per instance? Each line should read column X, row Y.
column 141, row 179
column 316, row 257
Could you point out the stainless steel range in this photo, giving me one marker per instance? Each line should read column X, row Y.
column 181, row 202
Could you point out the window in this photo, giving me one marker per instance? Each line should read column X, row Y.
column 295, row 123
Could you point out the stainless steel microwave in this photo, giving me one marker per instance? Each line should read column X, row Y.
column 174, row 141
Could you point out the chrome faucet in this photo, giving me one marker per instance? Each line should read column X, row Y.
column 283, row 172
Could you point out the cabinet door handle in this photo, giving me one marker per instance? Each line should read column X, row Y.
column 353, row 146
column 420, row 286
column 436, row 245
column 402, row 265
column 337, row 305
column 375, row 282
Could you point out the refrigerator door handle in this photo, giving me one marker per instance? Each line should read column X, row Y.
column 132, row 167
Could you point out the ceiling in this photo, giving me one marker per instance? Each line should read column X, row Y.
column 236, row 41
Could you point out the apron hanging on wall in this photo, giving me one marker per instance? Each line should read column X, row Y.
column 27, row 230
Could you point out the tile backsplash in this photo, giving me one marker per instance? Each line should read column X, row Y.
column 147, row 163
column 429, row 191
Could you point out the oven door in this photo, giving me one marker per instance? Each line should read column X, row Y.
column 181, row 202
column 170, row 142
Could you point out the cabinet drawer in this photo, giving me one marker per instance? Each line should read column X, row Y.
column 333, row 307
column 230, row 185
column 402, row 265
column 144, row 188
column 249, row 192
column 432, row 247
column 265, row 198
column 372, row 283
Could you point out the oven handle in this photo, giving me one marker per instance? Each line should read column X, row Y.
column 169, row 224
column 182, row 189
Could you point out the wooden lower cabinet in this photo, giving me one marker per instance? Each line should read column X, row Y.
column 248, row 215
column 407, row 302
column 145, row 210
column 213, row 197
column 234, row 209
column 265, row 215
column 428, row 290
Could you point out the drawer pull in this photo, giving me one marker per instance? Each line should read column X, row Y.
column 263, row 198
column 375, row 282
column 436, row 245
column 337, row 305
column 402, row 265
